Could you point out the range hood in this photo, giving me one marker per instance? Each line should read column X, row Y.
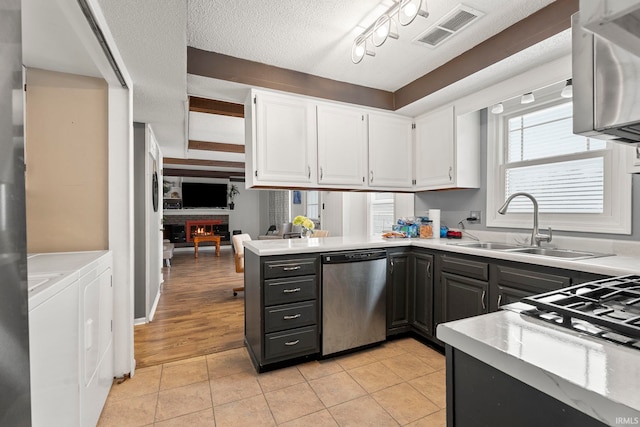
column 616, row 20
column 606, row 89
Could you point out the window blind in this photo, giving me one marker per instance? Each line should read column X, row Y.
column 540, row 148
column 381, row 210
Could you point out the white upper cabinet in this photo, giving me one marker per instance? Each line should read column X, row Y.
column 281, row 142
column 342, row 146
column 390, row 153
column 447, row 150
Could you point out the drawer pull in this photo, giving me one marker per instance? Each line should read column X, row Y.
column 484, row 293
column 290, row 291
column 292, row 342
column 295, row 316
column 297, row 267
column 499, row 300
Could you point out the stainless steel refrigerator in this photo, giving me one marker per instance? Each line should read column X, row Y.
column 15, row 401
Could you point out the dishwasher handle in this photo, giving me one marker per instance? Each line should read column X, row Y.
column 353, row 256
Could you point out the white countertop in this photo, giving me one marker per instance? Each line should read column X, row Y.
column 599, row 378
column 49, row 273
column 611, row 266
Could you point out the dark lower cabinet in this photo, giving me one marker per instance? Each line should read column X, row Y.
column 463, row 297
column 282, row 308
column 398, row 292
column 422, row 305
column 511, row 284
column 481, row 395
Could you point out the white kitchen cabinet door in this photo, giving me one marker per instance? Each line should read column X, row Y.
column 285, row 140
column 342, row 146
column 447, row 150
column 390, row 153
column 434, row 148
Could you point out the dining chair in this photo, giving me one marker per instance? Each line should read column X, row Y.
column 238, row 246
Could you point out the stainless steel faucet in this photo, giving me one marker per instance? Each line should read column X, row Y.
column 536, row 237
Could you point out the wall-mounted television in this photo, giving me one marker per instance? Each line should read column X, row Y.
column 203, row 195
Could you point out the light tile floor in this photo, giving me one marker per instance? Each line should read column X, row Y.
column 401, row 382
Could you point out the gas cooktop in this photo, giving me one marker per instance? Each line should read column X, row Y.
column 608, row 309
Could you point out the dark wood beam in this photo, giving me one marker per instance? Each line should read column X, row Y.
column 201, row 162
column 224, row 67
column 533, row 29
column 201, row 174
column 211, row 106
column 215, row 146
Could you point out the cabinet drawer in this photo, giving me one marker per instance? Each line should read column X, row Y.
column 288, row 316
column 530, row 280
column 466, row 268
column 291, row 343
column 289, row 268
column 282, row 291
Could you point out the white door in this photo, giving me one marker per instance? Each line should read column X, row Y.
column 285, row 140
column 434, row 153
column 342, row 146
column 390, row 160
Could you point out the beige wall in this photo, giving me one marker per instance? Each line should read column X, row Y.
column 66, row 156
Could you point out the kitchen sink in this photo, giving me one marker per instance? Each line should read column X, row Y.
column 488, row 245
column 559, row 253
column 532, row 250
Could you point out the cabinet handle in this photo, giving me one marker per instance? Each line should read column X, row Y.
column 428, row 270
column 391, row 267
column 450, row 170
column 321, row 172
column 484, row 294
column 290, row 291
column 297, row 267
column 295, row 316
column 371, row 180
column 292, row 342
column 256, row 173
column 499, row 300
column 363, row 179
column 308, row 171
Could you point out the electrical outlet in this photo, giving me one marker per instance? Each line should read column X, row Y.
column 477, row 217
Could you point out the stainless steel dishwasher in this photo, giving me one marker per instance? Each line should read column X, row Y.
column 353, row 299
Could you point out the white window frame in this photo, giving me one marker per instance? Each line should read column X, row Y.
column 616, row 216
column 370, row 203
column 307, row 204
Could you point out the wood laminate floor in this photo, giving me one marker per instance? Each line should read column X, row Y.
column 197, row 313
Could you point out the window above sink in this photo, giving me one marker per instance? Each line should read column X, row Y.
column 581, row 184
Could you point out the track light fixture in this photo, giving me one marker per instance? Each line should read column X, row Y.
column 402, row 12
column 527, row 98
column 567, row 90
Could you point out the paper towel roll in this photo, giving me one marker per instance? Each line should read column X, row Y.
column 434, row 215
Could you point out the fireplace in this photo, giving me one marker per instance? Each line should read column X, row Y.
column 206, row 227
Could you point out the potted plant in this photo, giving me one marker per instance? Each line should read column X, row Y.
column 232, row 193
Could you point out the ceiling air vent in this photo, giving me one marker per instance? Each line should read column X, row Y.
column 452, row 23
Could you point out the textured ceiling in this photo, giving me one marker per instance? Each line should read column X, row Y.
column 316, row 37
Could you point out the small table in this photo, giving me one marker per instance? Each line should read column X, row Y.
column 197, row 238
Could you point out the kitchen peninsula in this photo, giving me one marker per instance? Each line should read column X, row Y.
column 424, row 296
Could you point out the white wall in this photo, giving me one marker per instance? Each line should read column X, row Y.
column 248, row 212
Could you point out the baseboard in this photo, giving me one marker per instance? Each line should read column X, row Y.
column 140, row 321
column 152, row 312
